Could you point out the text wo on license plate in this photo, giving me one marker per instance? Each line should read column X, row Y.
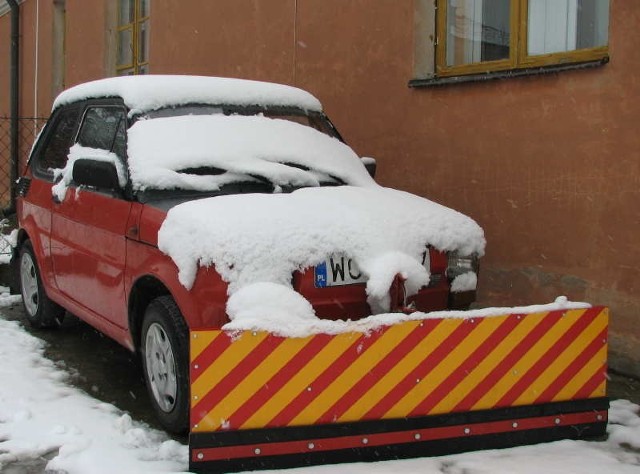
column 338, row 271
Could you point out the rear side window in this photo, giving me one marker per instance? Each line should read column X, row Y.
column 56, row 150
column 104, row 128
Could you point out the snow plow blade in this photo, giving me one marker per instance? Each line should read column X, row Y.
column 412, row 389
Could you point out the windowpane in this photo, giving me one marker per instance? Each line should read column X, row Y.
column 477, row 31
column 125, row 12
column 125, row 47
column 144, row 8
column 132, row 54
column 99, row 127
column 143, row 44
column 567, row 25
column 57, row 149
column 593, row 23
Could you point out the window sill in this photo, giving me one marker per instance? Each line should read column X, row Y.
column 513, row 73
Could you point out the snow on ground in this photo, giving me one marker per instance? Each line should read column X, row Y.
column 42, row 415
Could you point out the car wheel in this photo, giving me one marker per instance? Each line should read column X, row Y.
column 40, row 310
column 165, row 342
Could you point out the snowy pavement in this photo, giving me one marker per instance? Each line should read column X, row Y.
column 48, row 425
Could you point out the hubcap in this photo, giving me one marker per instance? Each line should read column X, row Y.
column 161, row 367
column 29, row 281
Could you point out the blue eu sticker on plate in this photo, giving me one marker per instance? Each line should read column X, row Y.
column 321, row 275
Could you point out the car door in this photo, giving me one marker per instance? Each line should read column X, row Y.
column 88, row 225
column 50, row 153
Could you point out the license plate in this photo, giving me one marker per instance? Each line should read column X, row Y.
column 338, row 271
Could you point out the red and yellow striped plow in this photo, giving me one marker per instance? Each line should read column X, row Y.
column 405, row 386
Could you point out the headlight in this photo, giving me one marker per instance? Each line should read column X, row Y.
column 461, row 264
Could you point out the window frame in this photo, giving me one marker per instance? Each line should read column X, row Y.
column 102, row 105
column 115, row 103
column 49, row 133
column 518, row 47
column 135, row 26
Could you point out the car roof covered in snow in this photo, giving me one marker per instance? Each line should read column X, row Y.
column 151, row 92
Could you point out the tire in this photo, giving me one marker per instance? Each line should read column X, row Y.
column 41, row 312
column 164, row 351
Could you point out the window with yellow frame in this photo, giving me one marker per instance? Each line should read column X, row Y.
column 479, row 36
column 133, row 37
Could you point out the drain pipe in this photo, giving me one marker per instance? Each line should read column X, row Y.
column 15, row 110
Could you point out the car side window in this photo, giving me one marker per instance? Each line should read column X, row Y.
column 104, row 128
column 59, row 140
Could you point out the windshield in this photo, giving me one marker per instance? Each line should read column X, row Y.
column 213, row 149
column 315, row 120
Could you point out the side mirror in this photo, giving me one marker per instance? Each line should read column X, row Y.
column 96, row 174
column 370, row 164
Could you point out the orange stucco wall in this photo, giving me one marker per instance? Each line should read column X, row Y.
column 548, row 165
column 85, row 41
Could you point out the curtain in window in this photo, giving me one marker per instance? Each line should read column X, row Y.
column 566, row 25
column 477, row 31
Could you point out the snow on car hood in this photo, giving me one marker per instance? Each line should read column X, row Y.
column 150, row 92
column 253, row 239
column 244, row 145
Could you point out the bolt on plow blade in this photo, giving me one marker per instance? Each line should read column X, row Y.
column 417, row 388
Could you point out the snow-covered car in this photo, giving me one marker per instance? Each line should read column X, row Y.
column 155, row 205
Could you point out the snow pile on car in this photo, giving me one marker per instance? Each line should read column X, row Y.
column 150, row 92
column 263, row 238
column 279, row 151
column 278, row 310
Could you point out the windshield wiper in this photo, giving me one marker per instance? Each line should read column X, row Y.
column 203, row 171
column 336, row 180
column 247, row 187
column 260, row 185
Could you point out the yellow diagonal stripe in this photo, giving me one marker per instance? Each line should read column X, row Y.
column 268, row 367
column 527, row 360
column 439, row 373
column 352, row 374
column 582, row 376
column 300, row 384
column 200, row 340
column 404, row 366
column 230, row 358
column 302, row 380
column 561, row 362
column 484, row 368
column 601, row 391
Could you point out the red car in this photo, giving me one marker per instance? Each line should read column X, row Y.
column 118, row 154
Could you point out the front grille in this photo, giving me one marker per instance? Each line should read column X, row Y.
column 435, row 279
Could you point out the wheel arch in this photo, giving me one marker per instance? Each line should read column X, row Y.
column 14, row 284
column 143, row 292
column 22, row 236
